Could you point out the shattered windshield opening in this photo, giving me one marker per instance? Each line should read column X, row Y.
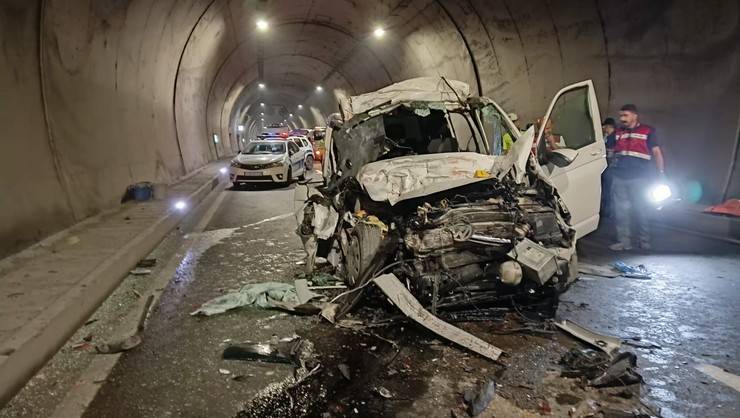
column 403, row 131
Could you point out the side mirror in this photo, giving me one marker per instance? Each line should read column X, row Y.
column 562, row 157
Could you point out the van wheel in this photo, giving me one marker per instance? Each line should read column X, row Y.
column 289, row 178
column 364, row 242
column 309, row 163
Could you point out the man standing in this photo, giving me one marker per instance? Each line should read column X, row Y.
column 637, row 160
column 608, row 128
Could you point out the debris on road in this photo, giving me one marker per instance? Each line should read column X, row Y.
column 584, row 362
column 621, row 372
column 292, row 397
column 478, row 399
column 140, row 271
column 298, row 351
column 259, row 295
column 345, row 371
column 606, row 343
column 599, row 370
column 144, row 313
column 407, row 303
column 224, row 371
column 82, row 345
column 303, row 293
column 383, row 392
column 322, row 279
column 599, row 271
column 638, row 342
column 119, row 346
column 147, row 263
column 635, row 272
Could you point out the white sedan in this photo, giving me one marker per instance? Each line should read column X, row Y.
column 306, row 149
column 276, row 161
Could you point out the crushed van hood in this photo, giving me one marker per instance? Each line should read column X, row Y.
column 402, row 178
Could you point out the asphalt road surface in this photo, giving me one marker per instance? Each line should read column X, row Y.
column 690, row 309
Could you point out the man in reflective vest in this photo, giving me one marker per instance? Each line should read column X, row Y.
column 637, row 161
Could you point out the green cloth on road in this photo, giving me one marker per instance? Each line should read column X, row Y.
column 257, row 295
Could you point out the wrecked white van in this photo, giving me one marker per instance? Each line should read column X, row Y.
column 413, row 187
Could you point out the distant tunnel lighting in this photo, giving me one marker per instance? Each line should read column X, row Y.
column 319, row 88
column 215, row 138
column 290, row 115
column 223, row 170
column 300, row 106
column 181, row 205
column 379, row 32
column 262, row 25
column 261, row 85
column 262, row 104
column 262, row 113
column 240, row 128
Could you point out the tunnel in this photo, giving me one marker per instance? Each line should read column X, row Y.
column 101, row 95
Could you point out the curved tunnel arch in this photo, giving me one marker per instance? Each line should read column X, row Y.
column 133, row 89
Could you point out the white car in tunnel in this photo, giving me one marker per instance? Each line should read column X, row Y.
column 306, row 150
column 275, row 161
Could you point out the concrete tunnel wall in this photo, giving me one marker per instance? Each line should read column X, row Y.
column 97, row 95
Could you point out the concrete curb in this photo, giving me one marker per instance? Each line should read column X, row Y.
column 89, row 382
column 48, row 332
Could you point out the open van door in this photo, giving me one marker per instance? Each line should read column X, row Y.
column 575, row 155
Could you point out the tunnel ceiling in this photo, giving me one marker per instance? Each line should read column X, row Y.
column 107, row 93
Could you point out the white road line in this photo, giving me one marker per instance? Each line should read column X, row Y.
column 717, row 373
column 206, row 219
column 274, row 218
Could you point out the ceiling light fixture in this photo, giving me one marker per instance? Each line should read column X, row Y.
column 379, row 32
column 261, row 85
column 262, row 25
column 319, row 88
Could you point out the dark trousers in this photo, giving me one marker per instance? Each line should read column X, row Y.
column 629, row 201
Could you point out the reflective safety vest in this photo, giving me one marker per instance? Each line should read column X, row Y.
column 633, row 142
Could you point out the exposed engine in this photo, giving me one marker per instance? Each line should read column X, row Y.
column 458, row 245
column 474, row 244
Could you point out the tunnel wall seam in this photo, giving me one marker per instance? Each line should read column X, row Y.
column 464, row 38
column 58, row 166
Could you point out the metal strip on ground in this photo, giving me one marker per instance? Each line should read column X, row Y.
column 404, row 300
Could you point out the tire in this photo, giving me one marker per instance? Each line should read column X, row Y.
column 364, row 242
column 309, row 163
column 289, row 177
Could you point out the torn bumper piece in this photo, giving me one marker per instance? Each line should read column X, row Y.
column 404, row 300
